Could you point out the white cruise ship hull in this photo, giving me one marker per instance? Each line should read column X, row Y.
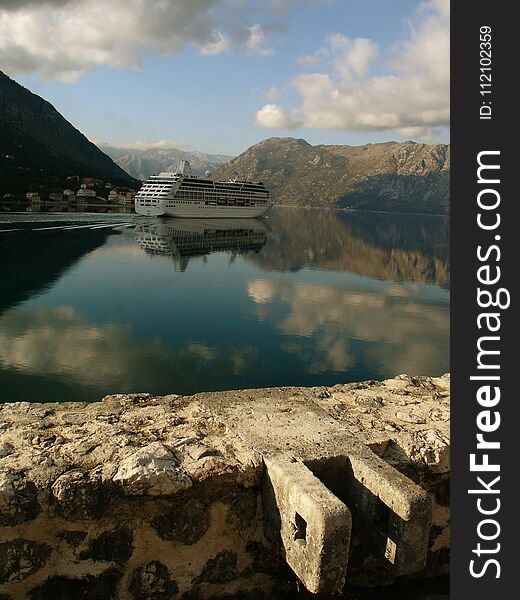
column 199, row 211
column 149, row 211
column 223, row 212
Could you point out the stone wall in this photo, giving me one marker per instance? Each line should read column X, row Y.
column 141, row 497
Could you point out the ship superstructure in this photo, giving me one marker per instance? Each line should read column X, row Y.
column 182, row 194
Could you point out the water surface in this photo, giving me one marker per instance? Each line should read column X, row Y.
column 93, row 304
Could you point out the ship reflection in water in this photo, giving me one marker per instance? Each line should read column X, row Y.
column 92, row 304
column 185, row 238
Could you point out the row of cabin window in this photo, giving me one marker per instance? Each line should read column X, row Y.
column 212, row 194
column 223, row 188
column 221, row 204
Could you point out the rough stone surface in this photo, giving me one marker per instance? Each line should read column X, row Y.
column 111, row 546
column 20, row 558
column 138, row 496
column 74, row 538
column 221, row 569
column 186, row 523
column 263, row 559
column 152, row 470
column 153, row 582
column 18, row 502
column 78, row 495
column 91, row 587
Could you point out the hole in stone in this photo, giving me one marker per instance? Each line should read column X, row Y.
column 381, row 516
column 300, row 527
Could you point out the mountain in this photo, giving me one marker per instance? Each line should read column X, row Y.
column 143, row 163
column 39, row 148
column 393, row 176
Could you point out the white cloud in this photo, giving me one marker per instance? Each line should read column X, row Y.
column 273, row 93
column 148, row 145
column 64, row 38
column 310, row 60
column 17, row 4
column 258, row 43
column 344, row 92
column 354, row 56
column 219, row 44
column 348, row 58
column 423, row 134
column 273, row 116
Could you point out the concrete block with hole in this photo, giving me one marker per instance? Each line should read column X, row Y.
column 314, row 525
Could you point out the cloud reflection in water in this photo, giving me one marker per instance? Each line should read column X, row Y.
column 106, row 357
column 391, row 330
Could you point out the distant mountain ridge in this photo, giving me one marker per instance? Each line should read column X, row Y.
column 143, row 163
column 392, row 176
column 38, row 144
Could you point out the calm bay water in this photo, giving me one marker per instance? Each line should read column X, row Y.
column 92, row 304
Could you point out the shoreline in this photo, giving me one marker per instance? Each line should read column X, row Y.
column 293, row 206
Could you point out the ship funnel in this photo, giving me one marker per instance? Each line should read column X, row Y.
column 184, row 168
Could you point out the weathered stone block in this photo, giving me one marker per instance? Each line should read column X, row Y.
column 263, row 559
column 18, row 501
column 314, row 525
column 111, row 546
column 245, row 507
column 186, row 523
column 393, row 512
column 91, row 587
column 153, row 582
column 220, row 569
column 152, row 471
column 20, row 558
column 78, row 495
column 254, row 594
column 74, row 538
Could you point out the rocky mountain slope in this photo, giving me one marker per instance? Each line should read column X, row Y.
column 393, row 176
column 143, row 163
column 37, row 144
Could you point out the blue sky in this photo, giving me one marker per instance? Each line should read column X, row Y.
column 220, row 75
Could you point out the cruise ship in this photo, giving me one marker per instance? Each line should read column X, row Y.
column 182, row 194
